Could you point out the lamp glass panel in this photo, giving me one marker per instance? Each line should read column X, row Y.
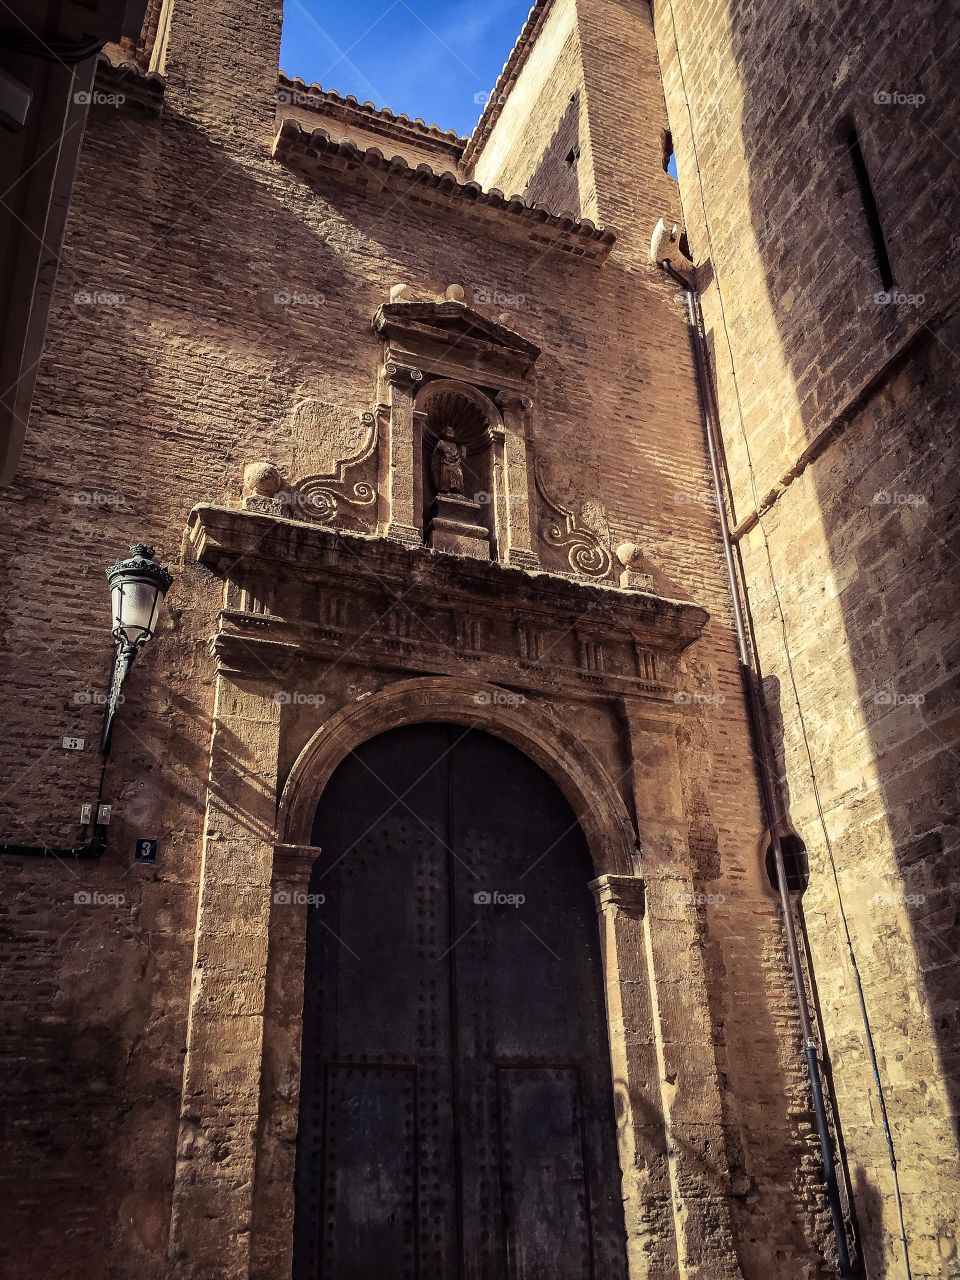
column 134, row 608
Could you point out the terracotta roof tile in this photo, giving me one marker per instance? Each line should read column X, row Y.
column 119, row 72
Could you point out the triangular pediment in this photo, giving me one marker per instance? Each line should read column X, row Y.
column 443, row 321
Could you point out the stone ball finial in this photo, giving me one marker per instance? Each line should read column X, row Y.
column 401, row 293
column 261, row 478
column 635, row 573
column 454, row 293
column 506, row 319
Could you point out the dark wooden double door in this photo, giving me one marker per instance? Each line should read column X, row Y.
column 456, row 1116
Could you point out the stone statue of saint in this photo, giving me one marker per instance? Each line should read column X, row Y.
column 447, row 463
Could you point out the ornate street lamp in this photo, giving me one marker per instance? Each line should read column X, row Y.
column 137, row 588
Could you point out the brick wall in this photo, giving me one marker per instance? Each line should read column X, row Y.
column 153, row 403
column 834, row 405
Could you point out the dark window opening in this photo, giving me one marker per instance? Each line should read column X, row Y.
column 795, row 863
column 573, row 155
column 870, row 208
column 668, row 157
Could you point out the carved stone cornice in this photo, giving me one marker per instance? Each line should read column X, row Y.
column 449, row 338
column 449, row 610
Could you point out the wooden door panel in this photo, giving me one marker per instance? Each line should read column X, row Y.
column 370, row 1224
column 546, row 1201
column 378, row 992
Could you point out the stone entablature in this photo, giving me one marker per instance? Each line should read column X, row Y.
column 303, row 591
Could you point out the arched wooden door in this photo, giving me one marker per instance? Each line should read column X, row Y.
column 456, row 1114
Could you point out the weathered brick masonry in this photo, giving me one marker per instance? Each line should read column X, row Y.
column 150, row 1043
column 837, row 409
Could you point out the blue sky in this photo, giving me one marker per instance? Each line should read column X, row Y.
column 423, row 57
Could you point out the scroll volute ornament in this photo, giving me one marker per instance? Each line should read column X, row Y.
column 584, row 551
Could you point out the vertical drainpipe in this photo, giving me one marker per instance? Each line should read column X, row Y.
column 761, row 741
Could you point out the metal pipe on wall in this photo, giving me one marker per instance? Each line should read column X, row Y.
column 761, row 737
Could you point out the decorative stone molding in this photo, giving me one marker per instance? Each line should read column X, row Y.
column 633, row 572
column 302, row 590
column 326, row 496
column 262, row 486
column 439, row 361
column 625, row 893
column 557, row 748
column 398, row 374
column 583, row 550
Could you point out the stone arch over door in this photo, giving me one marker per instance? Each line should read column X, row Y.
column 592, row 795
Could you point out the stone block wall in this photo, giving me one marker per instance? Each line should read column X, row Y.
column 834, row 391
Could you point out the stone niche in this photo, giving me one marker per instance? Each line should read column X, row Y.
column 455, row 396
column 461, row 447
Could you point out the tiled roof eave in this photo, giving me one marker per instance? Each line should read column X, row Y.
column 312, row 152
column 315, row 97
column 506, row 80
column 131, row 84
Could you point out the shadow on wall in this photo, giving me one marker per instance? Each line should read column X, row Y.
column 860, row 544
column 870, row 1213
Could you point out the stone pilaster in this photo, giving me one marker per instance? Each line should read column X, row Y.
column 272, row 1246
column 520, row 536
column 684, row 1061
column 405, row 515
column 216, row 1147
column 651, row 1248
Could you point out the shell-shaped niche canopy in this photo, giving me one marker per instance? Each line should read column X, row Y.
column 472, row 414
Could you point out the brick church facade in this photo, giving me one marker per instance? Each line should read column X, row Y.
column 349, row 1023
